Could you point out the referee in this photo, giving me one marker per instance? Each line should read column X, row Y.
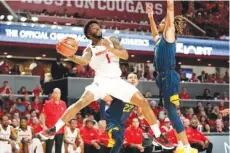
column 52, row 111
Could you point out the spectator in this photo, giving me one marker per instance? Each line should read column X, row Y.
column 16, row 70
column 5, row 89
column 202, row 77
column 190, row 114
column 22, row 91
column 226, row 77
column 183, row 77
column 219, row 127
column 28, row 109
column 194, row 78
column 225, row 96
column 103, row 137
column 20, row 105
column 8, row 136
column 209, row 109
column 57, row 69
column 221, row 106
column 203, row 121
column 1, row 112
column 4, row 68
column 207, row 94
column 72, row 135
column 148, row 94
column 38, row 90
column 90, row 137
column 39, row 71
column 155, row 109
column 53, row 109
column 169, row 132
column 26, row 100
column 197, row 139
column 13, row 108
column 15, row 123
column 197, row 108
column 133, row 138
column 9, row 102
column 147, row 74
column 79, row 120
column 207, row 128
column 36, row 125
column 215, row 113
column 184, row 94
column 216, row 95
column 37, row 105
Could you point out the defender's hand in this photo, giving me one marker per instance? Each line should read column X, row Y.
column 149, row 11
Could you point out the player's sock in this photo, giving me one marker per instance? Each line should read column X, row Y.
column 59, row 125
column 156, row 130
column 187, row 148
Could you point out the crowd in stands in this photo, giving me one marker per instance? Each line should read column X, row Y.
column 207, row 117
column 211, row 16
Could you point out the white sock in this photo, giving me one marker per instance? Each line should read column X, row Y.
column 187, row 148
column 59, row 125
column 156, row 130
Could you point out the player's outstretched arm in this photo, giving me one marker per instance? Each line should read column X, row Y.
column 84, row 59
column 153, row 26
column 118, row 50
column 169, row 30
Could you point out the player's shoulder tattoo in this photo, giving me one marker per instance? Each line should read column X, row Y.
column 116, row 42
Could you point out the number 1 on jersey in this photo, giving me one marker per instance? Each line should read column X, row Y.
column 107, row 57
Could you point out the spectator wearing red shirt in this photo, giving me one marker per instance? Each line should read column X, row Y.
column 52, row 111
column 26, row 100
column 184, row 94
column 197, row 139
column 22, row 91
column 39, row 71
column 79, row 120
column 221, row 106
column 103, row 137
column 36, row 125
column 90, row 137
column 194, row 78
column 38, row 90
column 133, row 138
column 1, row 112
column 5, row 89
column 28, row 109
column 169, row 132
column 37, row 105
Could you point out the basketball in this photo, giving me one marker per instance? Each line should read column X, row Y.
column 67, row 46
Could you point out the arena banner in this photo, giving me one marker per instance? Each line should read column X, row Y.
column 127, row 10
column 44, row 34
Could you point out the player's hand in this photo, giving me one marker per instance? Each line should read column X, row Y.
column 140, row 148
column 149, row 11
column 97, row 146
column 203, row 145
column 108, row 99
column 74, row 146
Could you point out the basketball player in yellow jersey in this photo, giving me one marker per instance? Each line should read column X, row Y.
column 103, row 55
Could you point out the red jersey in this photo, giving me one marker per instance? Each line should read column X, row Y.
column 53, row 113
column 89, row 134
column 170, row 134
column 7, row 91
column 36, row 92
column 133, row 135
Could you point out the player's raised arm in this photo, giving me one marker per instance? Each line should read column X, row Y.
column 84, row 59
column 169, row 30
column 118, row 50
column 153, row 26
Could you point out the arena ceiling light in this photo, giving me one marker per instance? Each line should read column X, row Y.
column 5, row 53
column 198, row 59
column 23, row 19
column 10, row 17
column 68, row 24
column 9, row 56
column 43, row 55
column 34, row 19
column 2, row 17
column 37, row 58
column 132, row 55
column 179, row 63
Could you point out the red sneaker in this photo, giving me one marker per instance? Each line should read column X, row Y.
column 163, row 142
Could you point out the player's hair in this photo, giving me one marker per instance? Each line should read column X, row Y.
column 72, row 120
column 87, row 25
column 178, row 22
column 24, row 118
